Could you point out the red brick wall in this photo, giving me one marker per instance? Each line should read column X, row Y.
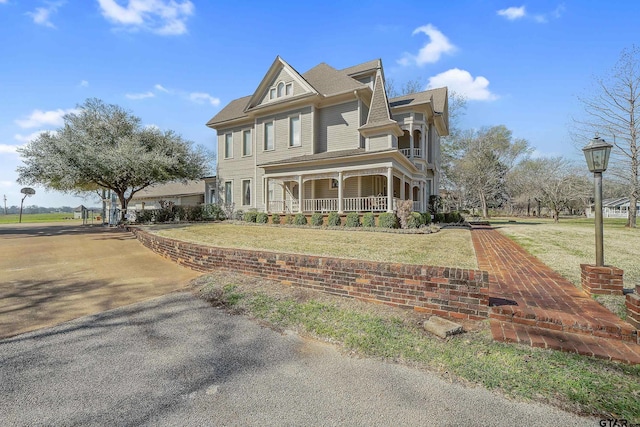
column 633, row 309
column 449, row 292
column 604, row 280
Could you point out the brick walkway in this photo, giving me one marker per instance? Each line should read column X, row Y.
column 534, row 305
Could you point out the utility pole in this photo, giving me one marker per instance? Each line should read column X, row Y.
column 5, row 204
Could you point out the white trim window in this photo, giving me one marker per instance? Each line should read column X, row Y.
column 280, row 89
column 269, row 136
column 228, row 192
column 246, row 192
column 288, row 89
column 246, row 142
column 272, row 93
column 294, row 131
column 228, row 145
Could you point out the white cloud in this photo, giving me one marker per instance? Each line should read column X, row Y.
column 164, row 17
column 462, row 82
column 161, row 88
column 140, row 95
column 8, row 149
column 31, row 136
column 201, row 97
column 6, row 184
column 432, row 51
column 41, row 118
column 4, row 1
column 513, row 13
column 84, row 83
column 42, row 15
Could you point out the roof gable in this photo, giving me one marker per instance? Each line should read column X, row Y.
column 279, row 70
column 329, row 81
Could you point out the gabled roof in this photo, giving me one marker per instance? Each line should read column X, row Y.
column 171, row 189
column 437, row 96
column 233, row 110
column 329, row 81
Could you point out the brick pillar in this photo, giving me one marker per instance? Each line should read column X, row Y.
column 606, row 280
column 633, row 309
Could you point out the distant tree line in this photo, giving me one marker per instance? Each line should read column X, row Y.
column 33, row 209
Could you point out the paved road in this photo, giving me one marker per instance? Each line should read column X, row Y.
column 50, row 273
column 175, row 360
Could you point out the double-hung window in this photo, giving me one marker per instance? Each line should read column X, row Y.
column 246, row 192
column 268, row 136
column 228, row 146
column 246, row 143
column 294, row 131
column 228, row 192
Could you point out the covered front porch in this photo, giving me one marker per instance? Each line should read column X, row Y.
column 363, row 190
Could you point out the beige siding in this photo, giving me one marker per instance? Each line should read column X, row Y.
column 350, row 187
column 237, row 168
column 379, row 142
column 401, row 117
column 338, row 127
column 364, row 113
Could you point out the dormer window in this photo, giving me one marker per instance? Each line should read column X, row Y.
column 280, row 90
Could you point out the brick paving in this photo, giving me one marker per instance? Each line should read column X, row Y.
column 532, row 304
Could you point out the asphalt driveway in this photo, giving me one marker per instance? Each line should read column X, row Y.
column 50, row 273
column 175, row 360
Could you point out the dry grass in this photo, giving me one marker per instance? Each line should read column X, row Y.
column 447, row 248
column 571, row 242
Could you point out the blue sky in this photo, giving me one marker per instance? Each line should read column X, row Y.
column 175, row 63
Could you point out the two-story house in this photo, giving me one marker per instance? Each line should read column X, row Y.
column 329, row 140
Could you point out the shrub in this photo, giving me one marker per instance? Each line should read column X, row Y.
column 288, row 219
column 368, row 220
column 300, row 219
column 262, row 218
column 250, row 216
column 239, row 215
column 353, row 220
column 426, row 218
column 228, row 209
column 317, row 219
column 214, row 212
column 438, row 217
column 145, row 215
column 192, row 213
column 333, row 220
column 388, row 220
column 167, row 212
column 414, row 220
column 180, row 213
column 435, row 204
column 275, row 219
column 404, row 211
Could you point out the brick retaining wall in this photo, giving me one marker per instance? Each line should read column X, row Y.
column 603, row 280
column 443, row 291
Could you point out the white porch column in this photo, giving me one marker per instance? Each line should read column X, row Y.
column 411, row 141
column 266, row 195
column 340, row 191
column 402, row 184
column 389, row 189
column 300, row 193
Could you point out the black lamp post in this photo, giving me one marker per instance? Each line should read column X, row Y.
column 597, row 154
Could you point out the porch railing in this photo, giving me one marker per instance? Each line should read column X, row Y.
column 349, row 204
column 320, row 205
column 417, row 152
column 365, row 204
column 284, row 206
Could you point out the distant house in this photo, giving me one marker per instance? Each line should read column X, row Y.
column 78, row 212
column 329, row 140
column 190, row 193
column 614, row 208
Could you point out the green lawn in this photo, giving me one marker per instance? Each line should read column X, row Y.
column 45, row 217
column 447, row 248
column 565, row 245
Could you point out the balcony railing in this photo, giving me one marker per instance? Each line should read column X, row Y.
column 320, row 205
column 417, row 152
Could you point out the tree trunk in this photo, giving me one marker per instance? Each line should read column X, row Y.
column 485, row 208
column 528, row 207
column 123, row 203
column 556, row 215
column 633, row 198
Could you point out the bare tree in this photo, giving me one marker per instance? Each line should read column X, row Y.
column 613, row 110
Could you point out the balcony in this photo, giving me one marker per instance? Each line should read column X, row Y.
column 408, row 153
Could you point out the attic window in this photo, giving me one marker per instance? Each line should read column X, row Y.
column 280, row 90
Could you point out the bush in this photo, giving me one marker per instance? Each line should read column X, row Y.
column 414, row 220
column 435, row 204
column 404, row 211
column 192, row 213
column 262, row 218
column 368, row 220
column 438, row 217
column 388, row 220
column 426, row 218
column 288, row 219
column 250, row 216
column 239, row 215
column 317, row 219
column 275, row 219
column 166, row 213
column 145, row 216
column 300, row 219
column 353, row 220
column 333, row 220
column 214, row 212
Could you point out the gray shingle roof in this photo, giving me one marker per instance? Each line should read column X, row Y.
column 439, row 99
column 324, row 156
column 171, row 189
column 233, row 110
column 365, row 66
column 329, row 81
column 379, row 113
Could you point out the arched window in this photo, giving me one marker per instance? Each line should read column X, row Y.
column 280, row 89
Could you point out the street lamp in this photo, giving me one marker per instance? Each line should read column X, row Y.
column 597, row 155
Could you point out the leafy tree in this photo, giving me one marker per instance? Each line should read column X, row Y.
column 612, row 109
column 104, row 146
column 480, row 162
